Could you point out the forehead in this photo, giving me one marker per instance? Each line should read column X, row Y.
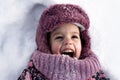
column 64, row 28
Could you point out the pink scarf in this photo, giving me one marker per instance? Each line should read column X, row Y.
column 61, row 67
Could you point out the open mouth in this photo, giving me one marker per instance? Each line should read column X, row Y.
column 71, row 54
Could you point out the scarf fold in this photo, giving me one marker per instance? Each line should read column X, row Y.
column 63, row 67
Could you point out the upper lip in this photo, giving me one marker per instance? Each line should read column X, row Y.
column 67, row 49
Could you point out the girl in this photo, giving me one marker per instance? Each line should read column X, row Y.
column 63, row 47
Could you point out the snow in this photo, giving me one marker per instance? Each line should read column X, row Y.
column 19, row 20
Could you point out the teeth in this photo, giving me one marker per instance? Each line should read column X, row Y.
column 68, row 51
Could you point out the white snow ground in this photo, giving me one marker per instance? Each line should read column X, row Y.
column 19, row 19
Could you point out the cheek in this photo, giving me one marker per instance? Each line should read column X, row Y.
column 78, row 50
column 56, row 49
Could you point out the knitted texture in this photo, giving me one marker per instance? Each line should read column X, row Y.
column 63, row 67
column 59, row 14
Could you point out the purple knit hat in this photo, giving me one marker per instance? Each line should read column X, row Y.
column 59, row 14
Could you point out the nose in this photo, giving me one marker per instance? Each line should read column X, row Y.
column 67, row 41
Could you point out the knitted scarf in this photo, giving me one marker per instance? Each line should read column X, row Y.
column 62, row 67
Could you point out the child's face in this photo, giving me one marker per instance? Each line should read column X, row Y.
column 66, row 40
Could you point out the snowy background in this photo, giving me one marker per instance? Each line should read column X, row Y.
column 19, row 19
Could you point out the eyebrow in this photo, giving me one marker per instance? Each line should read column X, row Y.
column 57, row 33
column 76, row 32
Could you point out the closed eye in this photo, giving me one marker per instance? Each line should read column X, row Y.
column 59, row 37
column 75, row 36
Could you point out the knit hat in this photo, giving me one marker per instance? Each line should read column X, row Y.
column 59, row 14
